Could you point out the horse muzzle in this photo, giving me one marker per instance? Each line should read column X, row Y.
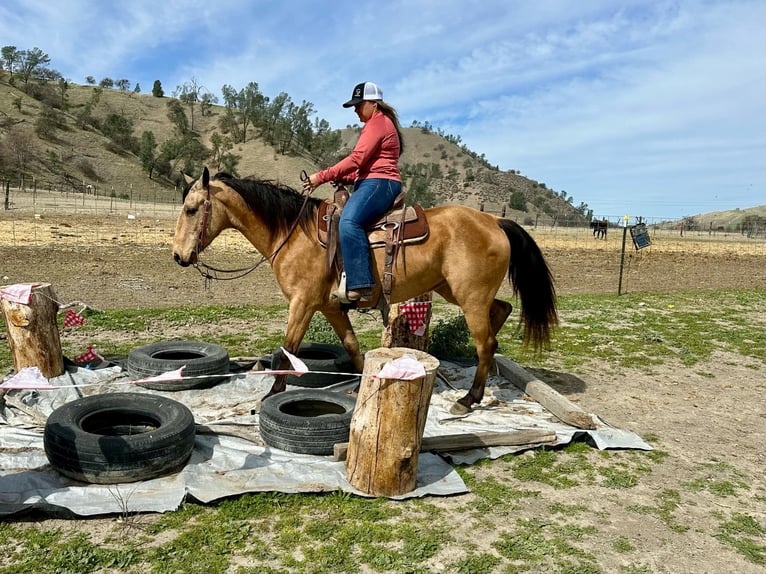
column 185, row 262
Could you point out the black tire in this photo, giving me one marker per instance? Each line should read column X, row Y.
column 307, row 421
column 119, row 437
column 319, row 357
column 201, row 359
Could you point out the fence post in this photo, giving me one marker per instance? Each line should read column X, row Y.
column 622, row 257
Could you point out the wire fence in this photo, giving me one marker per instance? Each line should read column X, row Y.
column 44, row 217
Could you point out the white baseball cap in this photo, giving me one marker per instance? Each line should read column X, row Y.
column 362, row 92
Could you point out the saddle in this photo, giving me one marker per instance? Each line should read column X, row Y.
column 403, row 224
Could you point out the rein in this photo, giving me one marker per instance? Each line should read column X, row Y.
column 211, row 273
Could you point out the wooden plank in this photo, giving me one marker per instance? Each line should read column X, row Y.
column 480, row 439
column 561, row 407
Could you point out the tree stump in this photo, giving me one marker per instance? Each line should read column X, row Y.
column 398, row 333
column 387, row 425
column 33, row 334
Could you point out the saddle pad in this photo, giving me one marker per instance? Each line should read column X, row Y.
column 415, row 228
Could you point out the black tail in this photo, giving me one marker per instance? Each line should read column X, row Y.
column 532, row 281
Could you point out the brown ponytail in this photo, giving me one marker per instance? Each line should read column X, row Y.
column 390, row 112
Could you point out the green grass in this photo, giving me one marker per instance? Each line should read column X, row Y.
column 746, row 535
column 641, row 330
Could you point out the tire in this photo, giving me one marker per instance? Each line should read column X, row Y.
column 119, row 437
column 306, row 421
column 201, row 359
column 319, row 357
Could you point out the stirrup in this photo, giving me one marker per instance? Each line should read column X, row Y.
column 340, row 294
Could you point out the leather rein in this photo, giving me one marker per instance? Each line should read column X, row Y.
column 210, row 273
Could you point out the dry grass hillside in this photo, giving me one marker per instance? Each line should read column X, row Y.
column 74, row 156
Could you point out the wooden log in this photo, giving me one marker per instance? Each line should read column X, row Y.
column 561, row 407
column 33, row 334
column 387, row 425
column 478, row 439
column 398, row 333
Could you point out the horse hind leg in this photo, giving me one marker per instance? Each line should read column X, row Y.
column 498, row 314
column 482, row 330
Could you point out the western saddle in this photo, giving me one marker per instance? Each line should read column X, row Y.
column 401, row 225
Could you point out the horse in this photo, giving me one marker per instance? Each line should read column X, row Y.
column 599, row 228
column 465, row 259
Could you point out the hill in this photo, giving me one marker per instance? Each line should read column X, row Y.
column 728, row 220
column 53, row 140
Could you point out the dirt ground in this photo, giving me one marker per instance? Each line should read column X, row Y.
column 712, row 417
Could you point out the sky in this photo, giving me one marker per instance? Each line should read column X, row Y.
column 634, row 107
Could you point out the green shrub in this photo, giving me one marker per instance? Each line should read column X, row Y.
column 451, row 338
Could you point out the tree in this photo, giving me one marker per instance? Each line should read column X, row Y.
column 90, row 80
column 177, row 116
column 221, row 158
column 47, row 122
column 518, row 201
column 148, row 152
column 137, row 89
column 123, row 84
column 119, row 129
column 31, row 64
column 20, row 147
column 106, row 83
column 190, row 93
column 63, row 86
column 419, row 192
column 10, row 57
column 157, row 91
column 325, row 144
column 207, row 102
column 272, row 118
column 244, row 108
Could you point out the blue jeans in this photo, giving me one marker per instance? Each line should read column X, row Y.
column 369, row 201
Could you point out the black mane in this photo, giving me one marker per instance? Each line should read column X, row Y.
column 279, row 205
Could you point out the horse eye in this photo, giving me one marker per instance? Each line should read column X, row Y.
column 190, row 211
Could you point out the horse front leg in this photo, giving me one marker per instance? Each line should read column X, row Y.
column 341, row 324
column 298, row 319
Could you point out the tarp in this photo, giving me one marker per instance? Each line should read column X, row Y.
column 222, row 465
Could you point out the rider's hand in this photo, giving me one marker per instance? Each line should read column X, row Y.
column 310, row 183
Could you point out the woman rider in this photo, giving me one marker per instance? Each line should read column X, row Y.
column 373, row 169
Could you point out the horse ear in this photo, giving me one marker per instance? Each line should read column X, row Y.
column 188, row 179
column 205, row 178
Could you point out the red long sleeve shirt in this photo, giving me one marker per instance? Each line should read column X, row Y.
column 376, row 154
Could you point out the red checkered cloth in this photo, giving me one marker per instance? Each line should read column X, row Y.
column 88, row 356
column 416, row 312
column 72, row 319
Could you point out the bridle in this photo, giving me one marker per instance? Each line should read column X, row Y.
column 210, row 273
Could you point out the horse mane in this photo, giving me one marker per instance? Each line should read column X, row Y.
column 280, row 205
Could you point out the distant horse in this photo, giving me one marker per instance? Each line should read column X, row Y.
column 465, row 259
column 599, row 228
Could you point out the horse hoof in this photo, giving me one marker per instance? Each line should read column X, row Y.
column 459, row 409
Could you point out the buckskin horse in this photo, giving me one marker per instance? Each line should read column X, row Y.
column 465, row 259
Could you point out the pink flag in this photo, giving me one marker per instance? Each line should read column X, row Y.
column 27, row 378
column 167, row 376
column 19, row 293
column 405, row 368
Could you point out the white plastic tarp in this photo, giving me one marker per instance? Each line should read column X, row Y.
column 222, row 465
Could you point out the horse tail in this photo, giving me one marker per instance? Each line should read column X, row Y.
column 532, row 281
